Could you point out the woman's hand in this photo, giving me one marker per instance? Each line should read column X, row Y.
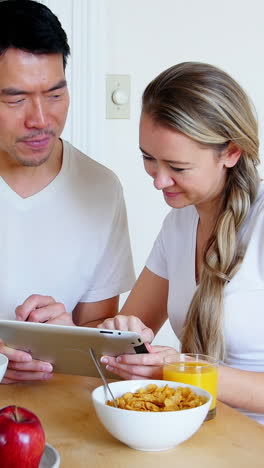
column 128, row 323
column 139, row 366
column 38, row 308
column 22, row 367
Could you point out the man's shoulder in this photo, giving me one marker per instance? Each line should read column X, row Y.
column 87, row 168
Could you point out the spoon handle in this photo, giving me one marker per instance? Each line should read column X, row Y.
column 98, row 367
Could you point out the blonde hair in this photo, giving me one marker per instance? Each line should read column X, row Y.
column 206, row 104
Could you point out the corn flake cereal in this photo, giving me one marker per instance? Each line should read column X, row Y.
column 154, row 398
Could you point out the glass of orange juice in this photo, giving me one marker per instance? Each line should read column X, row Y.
column 194, row 369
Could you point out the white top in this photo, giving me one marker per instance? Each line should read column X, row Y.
column 69, row 241
column 173, row 258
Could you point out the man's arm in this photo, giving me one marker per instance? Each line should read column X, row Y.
column 89, row 314
column 37, row 308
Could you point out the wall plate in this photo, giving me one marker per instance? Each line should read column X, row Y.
column 117, row 96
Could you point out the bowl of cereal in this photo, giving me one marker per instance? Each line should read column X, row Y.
column 152, row 415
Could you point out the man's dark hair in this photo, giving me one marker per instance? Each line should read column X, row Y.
column 32, row 27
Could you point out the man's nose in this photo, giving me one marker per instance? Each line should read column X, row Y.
column 36, row 116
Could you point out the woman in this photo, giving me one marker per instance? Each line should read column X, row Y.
column 198, row 137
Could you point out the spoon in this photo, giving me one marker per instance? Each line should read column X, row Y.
column 98, row 367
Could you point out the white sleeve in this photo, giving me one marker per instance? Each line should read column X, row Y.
column 114, row 273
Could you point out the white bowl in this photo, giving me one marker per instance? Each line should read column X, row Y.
column 3, row 365
column 149, row 431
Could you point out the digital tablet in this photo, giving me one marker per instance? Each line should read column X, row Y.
column 68, row 348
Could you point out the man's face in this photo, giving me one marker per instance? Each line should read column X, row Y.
column 34, row 102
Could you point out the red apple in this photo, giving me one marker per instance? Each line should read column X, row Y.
column 22, row 438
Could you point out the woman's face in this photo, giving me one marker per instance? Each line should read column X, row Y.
column 185, row 171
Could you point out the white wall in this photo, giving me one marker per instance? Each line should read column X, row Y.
column 83, row 21
column 143, row 37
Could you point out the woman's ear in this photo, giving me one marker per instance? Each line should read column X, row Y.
column 231, row 155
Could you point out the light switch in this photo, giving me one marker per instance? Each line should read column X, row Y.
column 117, row 96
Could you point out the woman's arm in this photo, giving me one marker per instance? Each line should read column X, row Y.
column 242, row 389
column 148, row 300
column 146, row 303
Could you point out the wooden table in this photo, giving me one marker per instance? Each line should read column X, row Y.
column 65, row 409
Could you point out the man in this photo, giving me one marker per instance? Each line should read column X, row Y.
column 64, row 248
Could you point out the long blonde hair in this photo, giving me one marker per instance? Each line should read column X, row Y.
column 206, row 104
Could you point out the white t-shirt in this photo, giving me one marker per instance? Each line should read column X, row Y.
column 173, row 258
column 69, row 241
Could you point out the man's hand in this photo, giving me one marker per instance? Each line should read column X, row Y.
column 37, row 308
column 22, row 367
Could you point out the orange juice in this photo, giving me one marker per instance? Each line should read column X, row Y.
column 196, row 373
